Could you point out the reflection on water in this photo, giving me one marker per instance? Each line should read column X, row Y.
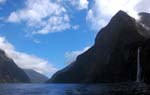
column 75, row 89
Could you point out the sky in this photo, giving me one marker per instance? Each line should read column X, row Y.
column 47, row 35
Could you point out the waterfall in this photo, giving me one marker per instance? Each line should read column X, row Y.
column 138, row 76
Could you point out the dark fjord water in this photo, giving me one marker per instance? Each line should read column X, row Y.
column 74, row 89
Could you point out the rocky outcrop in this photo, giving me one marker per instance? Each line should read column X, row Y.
column 10, row 72
column 35, row 77
column 113, row 57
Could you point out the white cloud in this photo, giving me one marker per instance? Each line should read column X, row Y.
column 2, row 1
column 102, row 10
column 80, row 4
column 44, row 15
column 14, row 17
column 71, row 56
column 96, row 20
column 83, row 4
column 143, row 6
column 36, row 41
column 75, row 27
column 55, row 24
column 26, row 61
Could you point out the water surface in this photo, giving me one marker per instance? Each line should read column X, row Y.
column 74, row 89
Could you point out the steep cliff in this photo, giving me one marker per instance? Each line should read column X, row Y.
column 10, row 72
column 113, row 57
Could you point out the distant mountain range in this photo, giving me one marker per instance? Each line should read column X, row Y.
column 35, row 77
column 113, row 57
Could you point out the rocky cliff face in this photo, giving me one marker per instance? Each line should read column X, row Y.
column 113, row 57
column 10, row 72
column 35, row 77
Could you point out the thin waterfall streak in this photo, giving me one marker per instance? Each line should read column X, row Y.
column 138, row 77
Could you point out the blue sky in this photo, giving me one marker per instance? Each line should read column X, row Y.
column 46, row 35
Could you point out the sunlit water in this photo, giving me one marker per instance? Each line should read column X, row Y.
column 75, row 89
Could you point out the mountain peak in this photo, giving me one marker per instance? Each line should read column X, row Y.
column 120, row 12
column 121, row 16
column 118, row 26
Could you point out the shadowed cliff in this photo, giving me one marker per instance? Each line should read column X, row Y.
column 10, row 72
column 113, row 56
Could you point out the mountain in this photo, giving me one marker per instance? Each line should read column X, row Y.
column 35, row 77
column 145, row 18
column 10, row 72
column 113, row 57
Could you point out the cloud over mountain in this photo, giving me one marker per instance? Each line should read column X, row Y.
column 102, row 10
column 26, row 61
column 72, row 55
